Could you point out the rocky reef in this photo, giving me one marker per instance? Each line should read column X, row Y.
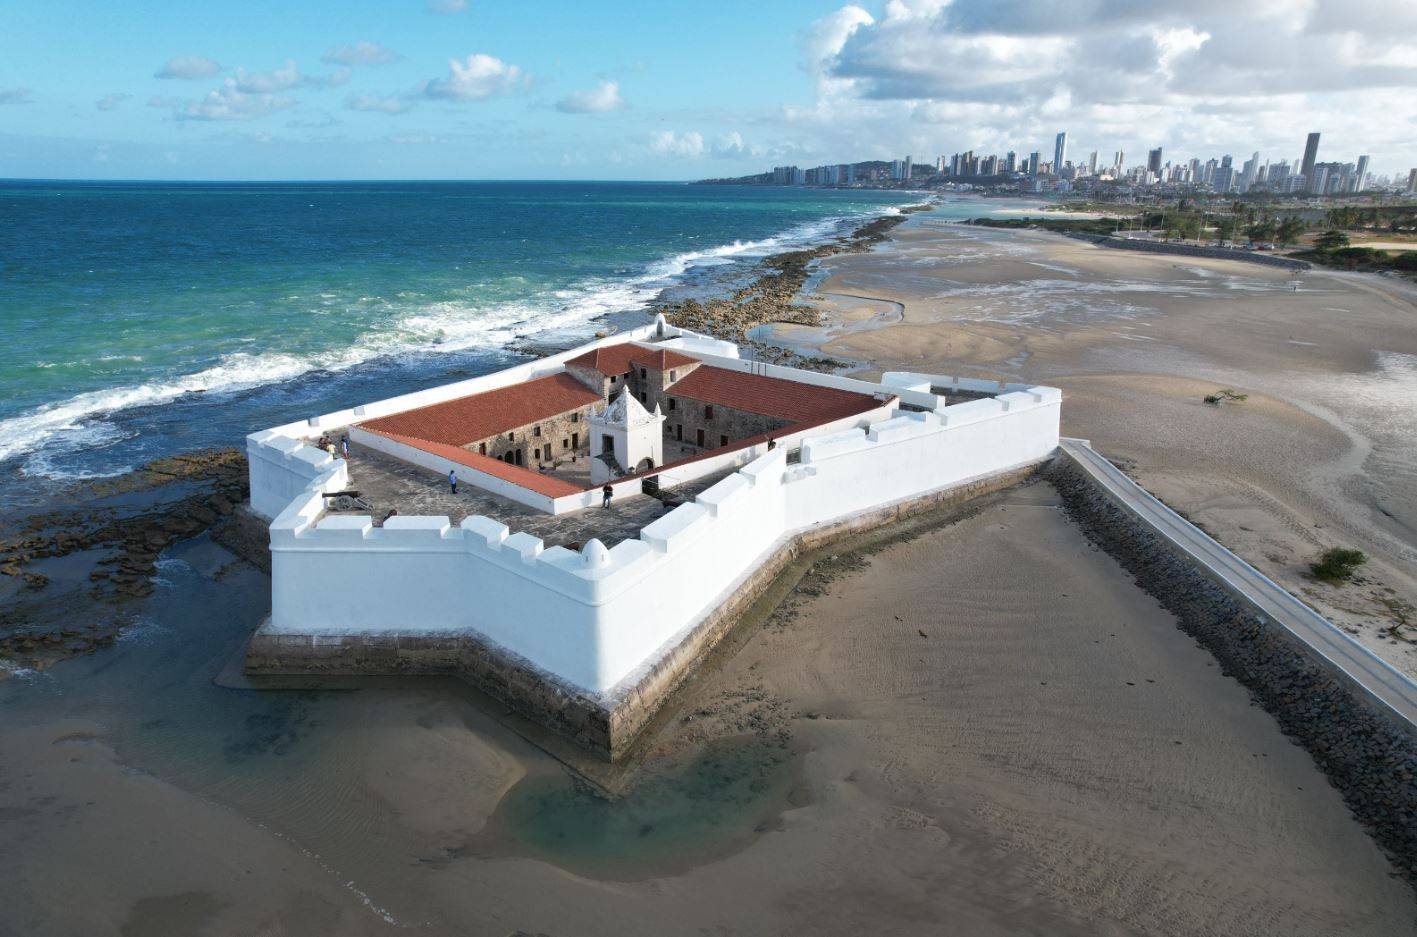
column 72, row 569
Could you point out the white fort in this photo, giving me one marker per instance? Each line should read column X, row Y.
column 719, row 468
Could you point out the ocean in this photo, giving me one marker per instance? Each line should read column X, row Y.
column 145, row 319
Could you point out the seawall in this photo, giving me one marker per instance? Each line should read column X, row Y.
column 1362, row 749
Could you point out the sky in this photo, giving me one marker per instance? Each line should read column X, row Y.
column 477, row 89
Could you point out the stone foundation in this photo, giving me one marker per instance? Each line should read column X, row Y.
column 606, row 726
column 1372, row 762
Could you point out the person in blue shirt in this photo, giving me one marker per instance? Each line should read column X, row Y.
column 453, row 480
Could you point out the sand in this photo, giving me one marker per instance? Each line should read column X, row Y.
column 1319, row 455
column 984, row 728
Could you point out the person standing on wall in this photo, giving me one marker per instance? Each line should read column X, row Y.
column 344, row 446
column 453, row 481
column 607, row 492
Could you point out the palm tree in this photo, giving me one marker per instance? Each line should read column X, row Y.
column 1290, row 229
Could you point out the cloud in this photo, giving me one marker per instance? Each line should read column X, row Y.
column 601, row 99
column 447, row 7
column 231, row 102
column 382, row 104
column 17, row 95
column 188, row 68
column 360, row 53
column 941, row 75
column 479, row 77
column 110, row 102
column 689, row 145
column 280, row 79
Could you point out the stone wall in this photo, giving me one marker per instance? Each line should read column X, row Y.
column 1369, row 760
column 565, row 434
column 689, row 416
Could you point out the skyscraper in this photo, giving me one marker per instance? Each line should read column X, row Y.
column 1033, row 163
column 1153, row 161
column 1361, row 175
column 1092, row 164
column 1060, row 152
column 1311, row 155
column 1011, row 162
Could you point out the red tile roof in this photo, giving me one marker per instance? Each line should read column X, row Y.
column 617, row 359
column 479, row 416
column 770, row 396
column 548, row 485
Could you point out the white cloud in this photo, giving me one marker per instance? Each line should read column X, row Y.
column 17, row 95
column 602, row 98
column 230, row 102
column 689, row 145
column 479, row 77
column 360, row 53
column 280, row 79
column 110, row 102
column 1205, row 76
column 382, row 104
column 188, row 68
column 447, row 6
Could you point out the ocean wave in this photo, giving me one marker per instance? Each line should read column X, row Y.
column 51, row 431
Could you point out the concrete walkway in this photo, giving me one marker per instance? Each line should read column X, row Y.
column 1389, row 687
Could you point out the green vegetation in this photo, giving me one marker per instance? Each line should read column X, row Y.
column 1220, row 396
column 1337, row 564
column 1331, row 240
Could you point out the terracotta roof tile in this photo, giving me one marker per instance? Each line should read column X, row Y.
column 769, row 396
column 478, row 416
column 618, row 359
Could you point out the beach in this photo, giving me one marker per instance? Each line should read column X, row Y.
column 1317, row 455
column 974, row 721
column 915, row 738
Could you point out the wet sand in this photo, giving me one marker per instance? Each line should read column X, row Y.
column 1319, row 455
column 1051, row 756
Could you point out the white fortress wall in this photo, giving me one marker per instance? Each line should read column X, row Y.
column 597, row 617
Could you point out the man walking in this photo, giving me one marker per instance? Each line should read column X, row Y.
column 453, row 481
column 607, row 491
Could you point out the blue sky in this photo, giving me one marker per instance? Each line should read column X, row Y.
column 639, row 90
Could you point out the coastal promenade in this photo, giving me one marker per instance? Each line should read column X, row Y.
column 1389, row 689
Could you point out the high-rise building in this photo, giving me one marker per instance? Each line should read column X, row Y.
column 1360, row 175
column 1092, row 164
column 1060, row 151
column 1119, row 164
column 1412, row 181
column 907, row 169
column 1033, row 163
column 1311, row 155
column 1153, row 161
column 1011, row 162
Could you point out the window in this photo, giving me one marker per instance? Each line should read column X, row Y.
column 674, row 375
column 642, row 374
column 536, row 430
column 482, row 448
column 673, row 404
column 575, row 440
column 575, row 417
column 678, row 432
column 565, row 444
column 613, row 379
column 708, row 413
column 511, row 437
column 723, row 440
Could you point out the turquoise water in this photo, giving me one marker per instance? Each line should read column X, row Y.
column 142, row 319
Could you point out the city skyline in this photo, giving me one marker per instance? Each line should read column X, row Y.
column 457, row 89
